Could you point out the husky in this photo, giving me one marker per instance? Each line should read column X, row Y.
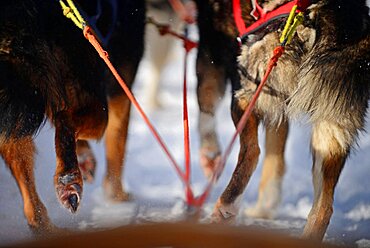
column 323, row 77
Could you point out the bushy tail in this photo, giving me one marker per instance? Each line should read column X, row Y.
column 334, row 84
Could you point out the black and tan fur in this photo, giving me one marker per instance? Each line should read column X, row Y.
column 323, row 76
column 47, row 68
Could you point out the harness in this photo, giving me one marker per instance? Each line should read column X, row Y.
column 293, row 21
column 81, row 18
column 264, row 18
column 92, row 21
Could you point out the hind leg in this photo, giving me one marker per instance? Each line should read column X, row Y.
column 227, row 205
column 211, row 89
column 19, row 156
column 86, row 160
column 269, row 192
column 157, row 51
column 115, row 142
column 127, row 49
column 87, row 122
column 116, row 134
column 330, row 147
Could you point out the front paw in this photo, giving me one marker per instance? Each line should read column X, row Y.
column 69, row 190
column 224, row 214
column 259, row 213
column 115, row 192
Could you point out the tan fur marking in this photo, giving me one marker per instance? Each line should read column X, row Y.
column 269, row 192
column 19, row 156
column 247, row 162
column 115, row 140
column 329, row 157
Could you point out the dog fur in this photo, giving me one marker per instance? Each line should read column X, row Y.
column 324, row 77
column 158, row 48
column 48, row 69
column 216, row 66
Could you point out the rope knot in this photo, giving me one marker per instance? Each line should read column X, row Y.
column 66, row 11
column 91, row 38
column 278, row 51
column 188, row 45
column 164, row 29
column 86, row 32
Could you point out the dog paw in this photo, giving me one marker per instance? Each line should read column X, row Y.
column 208, row 161
column 259, row 213
column 87, row 165
column 69, row 190
column 115, row 191
column 224, row 214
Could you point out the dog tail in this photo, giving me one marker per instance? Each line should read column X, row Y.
column 334, row 78
column 29, row 85
column 335, row 84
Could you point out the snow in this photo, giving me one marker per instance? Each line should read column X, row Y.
column 158, row 192
column 360, row 212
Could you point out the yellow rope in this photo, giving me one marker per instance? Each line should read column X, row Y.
column 288, row 23
column 297, row 21
column 289, row 29
column 72, row 13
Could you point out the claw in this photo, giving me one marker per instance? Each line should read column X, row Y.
column 69, row 196
column 69, row 190
column 221, row 215
column 73, row 202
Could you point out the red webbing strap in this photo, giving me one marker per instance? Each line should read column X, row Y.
column 188, row 45
column 184, row 176
column 238, row 17
column 263, row 16
column 104, row 55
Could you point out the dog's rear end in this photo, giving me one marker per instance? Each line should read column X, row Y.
column 49, row 69
column 324, row 75
column 30, row 87
column 216, row 66
column 30, row 83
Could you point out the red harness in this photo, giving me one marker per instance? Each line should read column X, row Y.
column 263, row 18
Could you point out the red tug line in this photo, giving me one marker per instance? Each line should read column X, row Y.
column 191, row 200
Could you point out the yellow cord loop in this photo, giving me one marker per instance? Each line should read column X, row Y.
column 71, row 12
column 291, row 25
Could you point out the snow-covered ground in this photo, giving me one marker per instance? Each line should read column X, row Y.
column 158, row 191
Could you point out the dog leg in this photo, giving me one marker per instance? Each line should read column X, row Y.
column 19, row 156
column 330, row 146
column 86, row 121
column 211, row 88
column 116, row 136
column 269, row 193
column 152, row 86
column 86, row 160
column 67, row 178
column 227, row 207
column 157, row 52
